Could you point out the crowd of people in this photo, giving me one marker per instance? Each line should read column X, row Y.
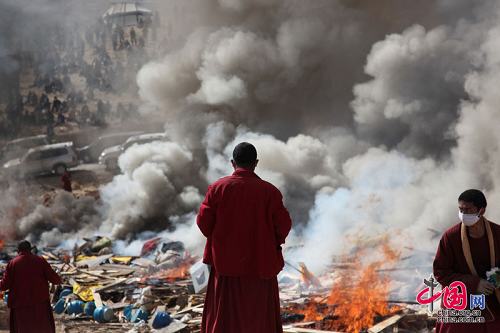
column 74, row 77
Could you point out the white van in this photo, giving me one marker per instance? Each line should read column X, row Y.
column 55, row 158
column 17, row 148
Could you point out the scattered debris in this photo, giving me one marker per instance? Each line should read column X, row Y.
column 163, row 291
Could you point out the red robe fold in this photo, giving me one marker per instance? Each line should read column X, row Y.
column 241, row 305
column 245, row 223
column 450, row 265
column 26, row 278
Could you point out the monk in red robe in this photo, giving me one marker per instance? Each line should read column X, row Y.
column 245, row 223
column 26, row 278
column 66, row 181
column 466, row 252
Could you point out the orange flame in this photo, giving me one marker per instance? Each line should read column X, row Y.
column 313, row 312
column 358, row 297
column 177, row 273
column 180, row 272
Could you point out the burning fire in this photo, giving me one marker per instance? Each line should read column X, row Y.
column 358, row 297
column 179, row 272
column 307, row 277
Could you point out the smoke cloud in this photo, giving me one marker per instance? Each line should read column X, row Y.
column 156, row 183
column 387, row 159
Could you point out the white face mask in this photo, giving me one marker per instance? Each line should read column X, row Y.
column 468, row 219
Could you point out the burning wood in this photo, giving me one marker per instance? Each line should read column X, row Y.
column 307, row 277
column 357, row 299
column 179, row 272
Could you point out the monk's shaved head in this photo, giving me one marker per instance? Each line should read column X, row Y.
column 24, row 246
column 244, row 155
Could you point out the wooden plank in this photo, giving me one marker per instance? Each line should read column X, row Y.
column 50, row 255
column 116, row 306
column 118, row 267
column 111, row 285
column 94, row 274
column 97, row 298
column 306, row 323
column 305, row 330
column 380, row 327
column 143, row 262
column 92, row 262
column 188, row 309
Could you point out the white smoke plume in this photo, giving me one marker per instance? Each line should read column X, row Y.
column 157, row 182
column 396, row 168
column 66, row 215
column 394, row 108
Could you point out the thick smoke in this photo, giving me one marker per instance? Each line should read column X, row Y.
column 21, row 217
column 157, row 183
column 279, row 66
column 393, row 160
column 395, row 108
column 369, row 124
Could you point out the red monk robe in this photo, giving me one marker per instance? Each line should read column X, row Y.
column 66, row 181
column 450, row 265
column 26, row 279
column 245, row 223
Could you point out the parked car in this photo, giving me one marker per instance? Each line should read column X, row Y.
column 55, row 158
column 91, row 152
column 17, row 148
column 109, row 157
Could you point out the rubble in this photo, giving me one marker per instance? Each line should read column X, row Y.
column 162, row 291
column 99, row 289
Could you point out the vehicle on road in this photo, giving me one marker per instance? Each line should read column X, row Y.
column 91, row 152
column 54, row 158
column 17, row 148
column 109, row 157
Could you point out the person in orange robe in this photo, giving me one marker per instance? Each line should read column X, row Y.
column 466, row 252
column 245, row 222
column 26, row 279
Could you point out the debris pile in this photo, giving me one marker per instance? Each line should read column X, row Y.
column 161, row 290
column 105, row 292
